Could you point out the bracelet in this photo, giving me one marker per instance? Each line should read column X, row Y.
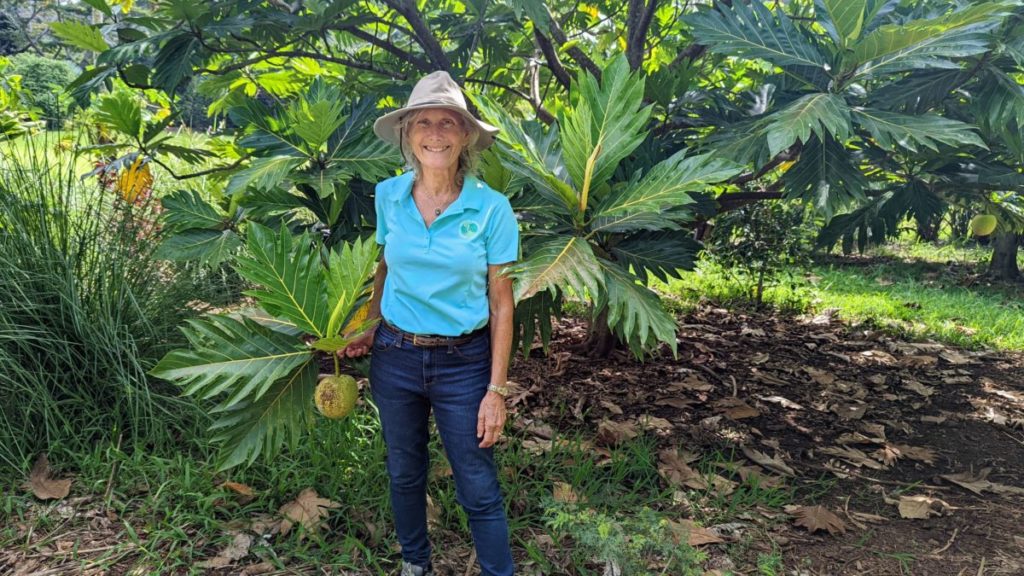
column 499, row 390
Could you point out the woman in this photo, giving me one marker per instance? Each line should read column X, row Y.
column 445, row 336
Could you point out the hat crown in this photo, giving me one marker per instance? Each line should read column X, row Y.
column 437, row 88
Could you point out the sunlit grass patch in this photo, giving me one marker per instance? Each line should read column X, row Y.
column 919, row 298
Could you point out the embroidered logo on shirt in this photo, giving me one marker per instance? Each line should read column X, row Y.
column 469, row 229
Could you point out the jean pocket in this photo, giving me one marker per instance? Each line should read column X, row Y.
column 384, row 339
column 475, row 350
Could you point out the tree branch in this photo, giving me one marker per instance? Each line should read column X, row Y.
column 404, row 55
column 542, row 113
column 786, row 155
column 554, row 64
column 424, row 36
column 209, row 171
column 638, row 22
column 578, row 55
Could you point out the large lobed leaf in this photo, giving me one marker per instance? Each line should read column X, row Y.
column 750, row 31
column 122, row 112
column 210, row 247
column 606, row 124
column 80, row 35
column 563, row 262
column 290, row 277
column 668, row 183
column 825, row 175
column 184, row 209
column 927, row 43
column 347, row 280
column 635, row 313
column 239, row 358
column 261, row 426
column 528, row 158
column 891, row 129
column 660, row 254
column 820, row 114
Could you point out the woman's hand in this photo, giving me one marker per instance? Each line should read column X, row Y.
column 491, row 419
column 358, row 346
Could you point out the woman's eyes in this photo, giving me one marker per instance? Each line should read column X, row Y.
column 443, row 124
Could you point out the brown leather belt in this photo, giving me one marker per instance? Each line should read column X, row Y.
column 433, row 340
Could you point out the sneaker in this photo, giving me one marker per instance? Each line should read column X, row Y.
column 414, row 570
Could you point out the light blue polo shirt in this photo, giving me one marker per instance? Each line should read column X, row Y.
column 437, row 276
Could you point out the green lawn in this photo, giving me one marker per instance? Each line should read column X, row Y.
column 914, row 289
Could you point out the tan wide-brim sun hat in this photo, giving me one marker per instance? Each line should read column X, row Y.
column 435, row 90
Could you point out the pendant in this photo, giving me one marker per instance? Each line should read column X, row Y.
column 437, row 211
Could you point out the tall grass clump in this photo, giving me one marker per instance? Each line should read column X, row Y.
column 85, row 311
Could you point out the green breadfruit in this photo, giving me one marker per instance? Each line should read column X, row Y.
column 336, row 396
column 983, row 224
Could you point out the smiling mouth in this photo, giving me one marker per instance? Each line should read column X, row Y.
column 441, row 149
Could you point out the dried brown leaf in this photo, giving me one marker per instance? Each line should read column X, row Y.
column 676, row 472
column 655, row 423
column 236, row 550
column 919, row 507
column 820, row 376
column 610, row 433
column 853, row 456
column 978, row 482
column 243, row 489
column 43, row 485
column 815, row 518
column 693, row 534
column 954, row 357
column 308, row 510
column 563, row 492
column 917, row 387
column 680, row 403
column 612, row 407
column 771, row 463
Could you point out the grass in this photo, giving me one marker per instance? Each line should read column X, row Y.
column 914, row 290
column 171, row 511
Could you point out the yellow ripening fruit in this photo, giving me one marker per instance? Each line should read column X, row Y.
column 336, row 396
column 983, row 224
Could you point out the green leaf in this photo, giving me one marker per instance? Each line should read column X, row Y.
column 100, row 5
column 239, row 359
column 533, row 318
column 668, row 183
column 821, row 114
column 280, row 416
column 526, row 157
column 208, row 246
column 314, row 122
column 565, row 262
column 825, row 176
column 999, row 104
column 635, row 313
column 186, row 209
column 367, row 157
column 348, row 273
column 846, row 16
column 173, row 63
column 122, row 112
column 926, row 43
column 750, row 31
column 80, row 35
column 290, row 277
column 658, row 254
column 90, row 81
column 606, row 124
column 891, row 129
column 263, row 173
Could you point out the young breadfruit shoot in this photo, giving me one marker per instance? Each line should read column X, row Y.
column 263, row 365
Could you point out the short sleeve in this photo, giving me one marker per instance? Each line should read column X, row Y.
column 503, row 239
column 382, row 221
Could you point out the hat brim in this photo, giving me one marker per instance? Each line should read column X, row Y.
column 387, row 126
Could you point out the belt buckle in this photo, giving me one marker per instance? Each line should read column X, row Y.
column 418, row 340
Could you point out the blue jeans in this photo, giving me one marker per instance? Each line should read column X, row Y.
column 407, row 382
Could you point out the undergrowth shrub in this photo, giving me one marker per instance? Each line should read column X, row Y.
column 759, row 244
column 85, row 312
column 44, row 79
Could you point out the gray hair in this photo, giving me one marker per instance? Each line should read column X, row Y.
column 468, row 157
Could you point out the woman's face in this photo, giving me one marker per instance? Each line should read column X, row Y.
column 437, row 137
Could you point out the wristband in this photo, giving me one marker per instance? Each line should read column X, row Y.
column 499, row 390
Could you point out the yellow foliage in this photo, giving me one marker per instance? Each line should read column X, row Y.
column 134, row 180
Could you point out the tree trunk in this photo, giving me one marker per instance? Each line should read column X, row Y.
column 1004, row 257
column 601, row 340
